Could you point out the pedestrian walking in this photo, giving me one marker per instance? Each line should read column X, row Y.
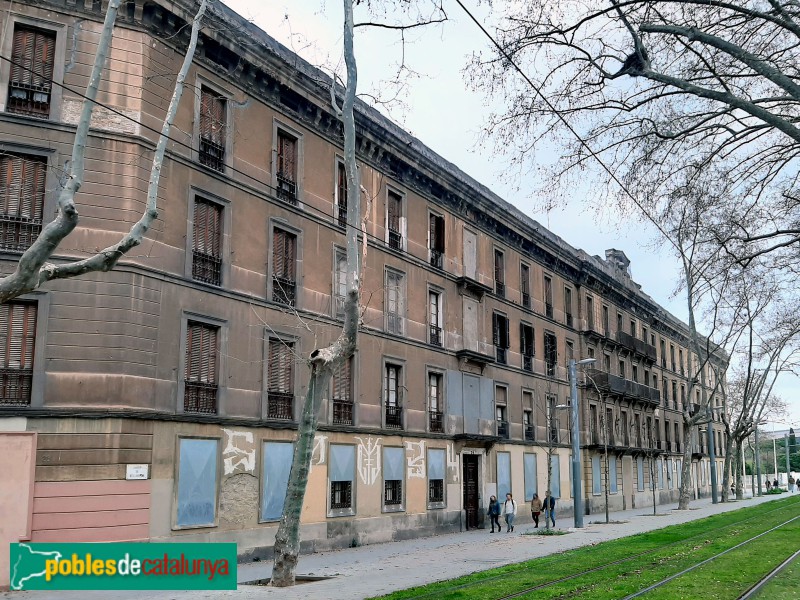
column 775, row 485
column 549, row 508
column 769, row 485
column 494, row 513
column 536, row 508
column 509, row 511
column 791, row 484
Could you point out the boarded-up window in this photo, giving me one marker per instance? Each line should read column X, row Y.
column 200, row 373
column 32, row 59
column 197, row 483
column 212, row 129
column 207, row 242
column 22, row 181
column 17, row 336
column 284, row 268
column 287, row 167
column 280, row 382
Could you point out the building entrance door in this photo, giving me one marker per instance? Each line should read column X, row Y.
column 471, row 502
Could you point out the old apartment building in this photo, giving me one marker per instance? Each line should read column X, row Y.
column 159, row 401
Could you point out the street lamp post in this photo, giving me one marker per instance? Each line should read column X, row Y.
column 577, row 498
column 712, row 457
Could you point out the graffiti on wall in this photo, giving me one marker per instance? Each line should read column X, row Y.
column 369, row 459
column 318, row 452
column 415, row 457
column 452, row 463
column 239, row 453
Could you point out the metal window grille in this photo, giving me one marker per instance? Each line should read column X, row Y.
column 436, row 490
column 212, row 130
column 17, row 338
column 393, row 397
column 200, row 373
column 341, row 195
column 280, row 381
column 342, row 395
column 341, row 494
column 393, row 492
column 22, row 185
column 284, row 269
column 207, row 242
column 287, row 168
column 394, row 214
column 30, row 80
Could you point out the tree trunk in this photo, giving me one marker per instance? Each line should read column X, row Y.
column 727, row 469
column 324, row 361
column 684, row 496
column 739, row 463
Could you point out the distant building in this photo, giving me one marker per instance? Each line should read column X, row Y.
column 185, row 365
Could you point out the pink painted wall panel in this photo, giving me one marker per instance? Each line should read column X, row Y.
column 17, row 460
column 91, row 511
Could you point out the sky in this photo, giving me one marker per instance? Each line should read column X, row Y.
column 439, row 108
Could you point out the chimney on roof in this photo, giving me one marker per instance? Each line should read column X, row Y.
column 618, row 260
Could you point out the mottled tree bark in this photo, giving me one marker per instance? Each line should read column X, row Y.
column 33, row 270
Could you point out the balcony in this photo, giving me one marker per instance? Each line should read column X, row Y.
column 637, row 346
column 529, row 433
column 502, row 429
column 527, row 363
column 342, row 412
column 618, row 386
column 15, row 387
column 206, row 268
column 18, row 233
column 435, row 421
column 283, row 290
column 199, row 397
column 473, row 286
column 436, row 335
column 211, row 154
column 436, row 259
column 287, row 190
column 394, row 417
column 279, row 406
column 395, row 240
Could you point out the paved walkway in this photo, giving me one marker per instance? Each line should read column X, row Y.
column 382, row 568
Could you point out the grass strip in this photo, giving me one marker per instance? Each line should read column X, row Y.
column 669, row 548
column 785, row 585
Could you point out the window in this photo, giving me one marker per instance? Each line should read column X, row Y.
column 668, row 444
column 197, row 483
column 674, row 394
column 436, row 240
column 286, row 172
column 527, row 425
column 17, row 338
column 207, row 242
column 623, row 424
column 553, row 424
column 555, row 476
column 608, row 427
column 660, row 471
column 435, row 317
column 663, row 354
column 607, row 363
column 436, row 470
column 644, row 333
column 500, row 336
column 637, row 425
column 570, row 346
column 394, row 467
column 672, row 356
column 590, row 312
column 339, row 282
column 680, row 361
column 212, row 129
column 677, row 438
column 341, row 195
column 394, row 220
column 568, row 306
column 503, row 475
column 548, row 297
column 280, row 382
column 393, row 397
column 531, row 482
column 200, row 374
column 595, row 439
column 501, row 411
column 633, row 328
column 284, row 267
column 343, row 394
column 683, row 396
column 33, row 57
column 276, row 464
column 22, row 185
column 435, row 408
column 526, row 346
column 597, row 487
column 341, row 474
column 612, row 475
column 606, row 326
column 619, row 321
column 665, row 387
column 635, row 373
column 550, row 354
column 499, row 273
column 622, row 368
column 395, row 302
column 525, row 284
column 640, row 474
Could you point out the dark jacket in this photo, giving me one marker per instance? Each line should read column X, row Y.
column 549, row 503
column 494, row 508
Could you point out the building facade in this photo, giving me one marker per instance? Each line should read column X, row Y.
column 159, row 401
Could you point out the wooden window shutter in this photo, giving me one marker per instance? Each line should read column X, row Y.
column 341, row 382
column 212, row 117
column 22, row 185
column 33, row 57
column 201, row 353
column 207, row 228
column 284, row 254
column 436, row 232
column 287, row 156
column 496, row 329
column 17, row 335
column 281, row 367
column 394, row 212
column 507, row 341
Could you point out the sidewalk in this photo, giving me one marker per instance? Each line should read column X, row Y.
column 383, row 568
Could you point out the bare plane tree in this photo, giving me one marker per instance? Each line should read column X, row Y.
column 660, row 91
column 34, row 268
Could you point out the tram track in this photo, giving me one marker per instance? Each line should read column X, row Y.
column 573, row 576
column 753, row 591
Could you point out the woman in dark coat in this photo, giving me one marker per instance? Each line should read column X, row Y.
column 494, row 513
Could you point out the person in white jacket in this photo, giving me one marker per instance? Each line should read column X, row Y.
column 509, row 511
